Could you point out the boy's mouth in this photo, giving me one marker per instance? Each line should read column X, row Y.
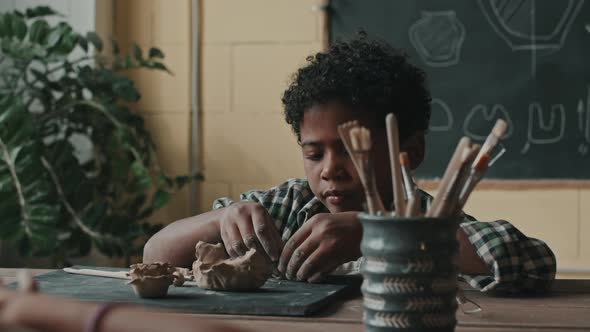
column 334, row 197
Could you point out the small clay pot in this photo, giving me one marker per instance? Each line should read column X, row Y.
column 151, row 287
column 152, row 280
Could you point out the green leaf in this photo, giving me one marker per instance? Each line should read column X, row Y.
column 40, row 11
column 6, row 25
column 19, row 27
column 126, row 91
column 156, row 53
column 38, row 31
column 93, row 38
column 56, row 34
column 137, row 52
column 143, row 180
column 160, row 199
column 160, row 66
column 83, row 42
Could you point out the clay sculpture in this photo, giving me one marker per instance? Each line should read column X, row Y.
column 152, row 280
column 215, row 270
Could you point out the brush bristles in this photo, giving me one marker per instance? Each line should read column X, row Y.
column 355, row 138
column 360, row 139
column 365, row 139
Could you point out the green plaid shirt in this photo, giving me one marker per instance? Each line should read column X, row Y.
column 516, row 262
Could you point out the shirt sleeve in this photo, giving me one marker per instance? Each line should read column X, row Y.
column 517, row 263
column 279, row 201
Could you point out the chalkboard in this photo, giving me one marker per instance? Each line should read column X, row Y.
column 527, row 61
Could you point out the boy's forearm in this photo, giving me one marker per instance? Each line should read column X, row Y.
column 54, row 314
column 175, row 243
column 468, row 260
column 39, row 312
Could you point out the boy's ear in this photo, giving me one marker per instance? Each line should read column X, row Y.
column 415, row 146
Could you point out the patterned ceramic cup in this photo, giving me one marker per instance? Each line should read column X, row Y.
column 410, row 279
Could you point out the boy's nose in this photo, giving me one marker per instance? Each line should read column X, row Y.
column 333, row 167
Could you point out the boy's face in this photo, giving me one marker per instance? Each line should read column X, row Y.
column 328, row 168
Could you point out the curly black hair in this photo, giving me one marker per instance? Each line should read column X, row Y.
column 368, row 75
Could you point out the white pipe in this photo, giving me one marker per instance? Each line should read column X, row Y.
column 194, row 134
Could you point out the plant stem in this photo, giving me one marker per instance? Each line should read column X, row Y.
column 18, row 186
column 69, row 207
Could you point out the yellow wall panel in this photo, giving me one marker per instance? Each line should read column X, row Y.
column 249, row 148
column 172, row 22
column 209, row 191
column 161, row 91
column 170, row 131
column 550, row 215
column 262, row 73
column 585, row 224
column 216, row 78
column 226, row 21
column 133, row 21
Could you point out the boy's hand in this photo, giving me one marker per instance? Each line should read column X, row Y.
column 246, row 225
column 320, row 245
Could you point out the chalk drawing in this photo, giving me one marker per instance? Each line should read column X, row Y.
column 438, row 37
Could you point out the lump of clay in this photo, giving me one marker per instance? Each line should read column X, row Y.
column 152, row 280
column 214, row 270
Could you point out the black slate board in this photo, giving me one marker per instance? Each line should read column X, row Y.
column 275, row 298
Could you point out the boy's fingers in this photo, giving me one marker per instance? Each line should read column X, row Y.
column 248, row 235
column 229, row 236
column 265, row 229
column 237, row 243
column 290, row 247
column 300, row 255
column 311, row 265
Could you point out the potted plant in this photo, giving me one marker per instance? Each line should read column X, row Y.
column 54, row 201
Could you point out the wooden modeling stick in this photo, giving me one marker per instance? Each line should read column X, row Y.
column 396, row 174
column 360, row 139
column 98, row 273
column 452, row 168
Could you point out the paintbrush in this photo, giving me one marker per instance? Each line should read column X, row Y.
column 476, row 174
column 360, row 139
column 344, row 133
column 413, row 200
column 451, row 193
column 404, row 162
column 492, row 140
column 396, row 174
column 452, row 168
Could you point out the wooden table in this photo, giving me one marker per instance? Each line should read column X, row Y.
column 565, row 308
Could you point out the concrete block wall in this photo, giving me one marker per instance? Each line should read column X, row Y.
column 165, row 101
column 249, row 51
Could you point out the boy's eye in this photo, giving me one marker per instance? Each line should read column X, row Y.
column 314, row 157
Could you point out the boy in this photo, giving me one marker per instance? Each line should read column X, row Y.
column 315, row 218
